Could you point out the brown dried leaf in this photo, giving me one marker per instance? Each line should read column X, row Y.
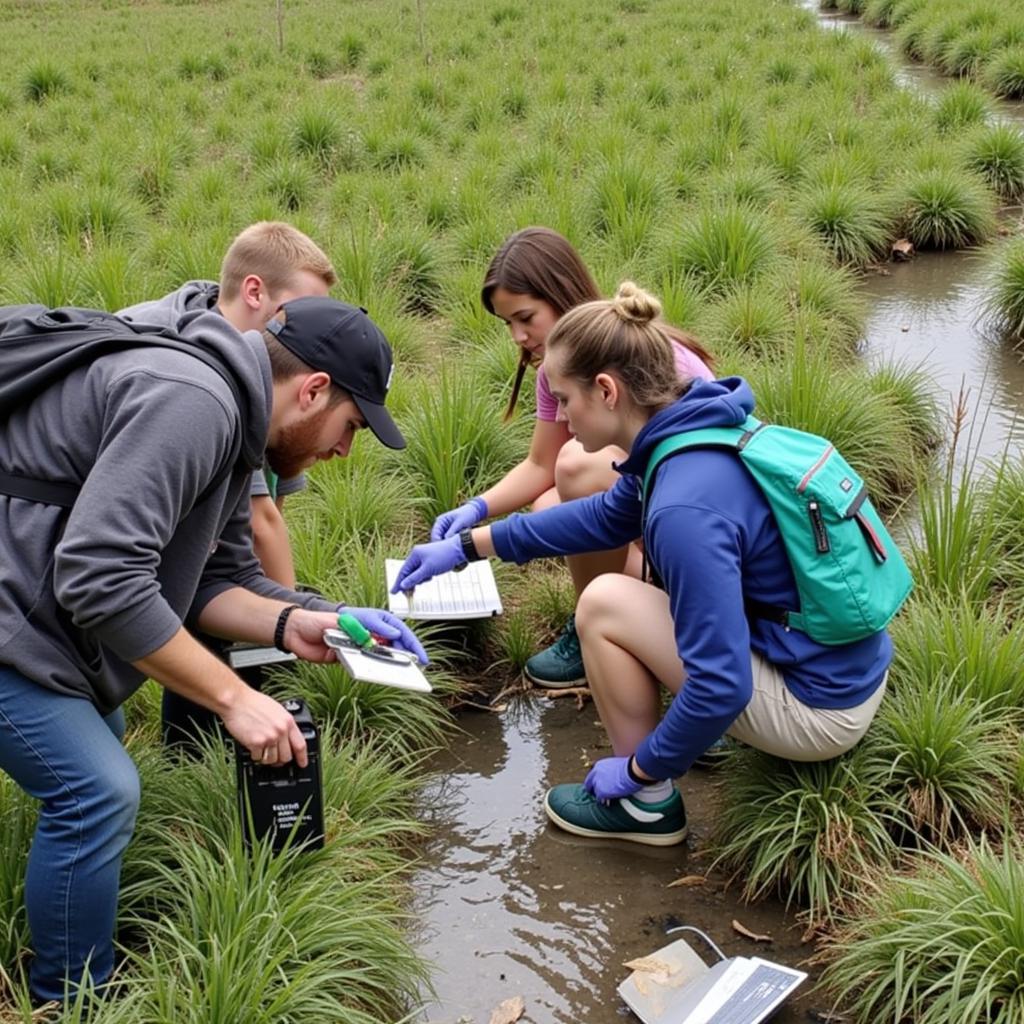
column 748, row 934
column 902, row 249
column 650, row 964
column 508, row 1011
column 687, row 880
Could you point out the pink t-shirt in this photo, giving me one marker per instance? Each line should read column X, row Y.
column 688, row 363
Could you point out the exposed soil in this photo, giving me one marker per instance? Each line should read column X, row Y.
column 511, row 906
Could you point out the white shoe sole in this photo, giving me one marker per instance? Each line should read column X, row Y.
column 550, row 684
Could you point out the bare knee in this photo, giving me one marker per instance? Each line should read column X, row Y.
column 579, row 473
column 597, row 604
column 548, row 499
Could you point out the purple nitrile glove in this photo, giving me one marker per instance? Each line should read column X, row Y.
column 448, row 524
column 610, row 778
column 426, row 561
column 389, row 628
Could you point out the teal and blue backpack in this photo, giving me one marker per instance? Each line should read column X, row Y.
column 849, row 574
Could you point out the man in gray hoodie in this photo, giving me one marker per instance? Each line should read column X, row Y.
column 94, row 600
column 267, row 264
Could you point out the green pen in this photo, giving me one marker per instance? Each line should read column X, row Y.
column 356, row 631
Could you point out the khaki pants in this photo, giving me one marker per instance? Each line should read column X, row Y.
column 777, row 723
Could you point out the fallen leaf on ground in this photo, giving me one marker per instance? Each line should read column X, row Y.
column 902, row 249
column 508, row 1011
column 687, row 880
column 748, row 934
column 650, row 964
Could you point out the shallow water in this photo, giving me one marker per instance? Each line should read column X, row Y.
column 511, row 906
column 929, row 312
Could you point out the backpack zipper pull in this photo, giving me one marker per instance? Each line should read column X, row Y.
column 821, row 542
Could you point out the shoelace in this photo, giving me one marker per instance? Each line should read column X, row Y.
column 567, row 646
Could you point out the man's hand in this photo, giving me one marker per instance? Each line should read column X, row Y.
column 264, row 728
column 304, row 632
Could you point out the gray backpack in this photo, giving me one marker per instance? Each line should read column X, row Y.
column 39, row 346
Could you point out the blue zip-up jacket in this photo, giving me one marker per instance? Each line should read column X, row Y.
column 713, row 540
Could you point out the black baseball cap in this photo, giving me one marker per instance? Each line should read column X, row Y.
column 341, row 340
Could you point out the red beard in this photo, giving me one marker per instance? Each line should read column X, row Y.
column 298, row 447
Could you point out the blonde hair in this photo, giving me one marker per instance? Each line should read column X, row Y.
column 275, row 252
column 624, row 335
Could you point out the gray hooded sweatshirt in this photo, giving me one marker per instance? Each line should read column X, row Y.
column 144, row 431
column 176, row 311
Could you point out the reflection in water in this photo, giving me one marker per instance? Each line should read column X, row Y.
column 929, row 312
column 510, row 906
column 500, row 921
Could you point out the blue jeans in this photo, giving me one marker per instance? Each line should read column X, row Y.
column 63, row 752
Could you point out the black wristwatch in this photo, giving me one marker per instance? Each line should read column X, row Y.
column 468, row 547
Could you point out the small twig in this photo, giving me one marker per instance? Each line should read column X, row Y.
column 280, row 25
column 507, row 691
column 462, row 702
column 581, row 693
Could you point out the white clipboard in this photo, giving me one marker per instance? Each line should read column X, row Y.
column 383, row 666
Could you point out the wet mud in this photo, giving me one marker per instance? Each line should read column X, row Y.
column 511, row 906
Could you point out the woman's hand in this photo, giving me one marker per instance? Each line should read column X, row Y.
column 426, row 561
column 610, row 778
column 389, row 628
column 448, row 524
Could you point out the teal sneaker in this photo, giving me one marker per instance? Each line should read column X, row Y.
column 572, row 808
column 715, row 754
column 561, row 664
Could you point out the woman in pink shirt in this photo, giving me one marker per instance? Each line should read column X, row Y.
column 535, row 277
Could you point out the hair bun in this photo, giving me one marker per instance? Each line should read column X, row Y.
column 634, row 305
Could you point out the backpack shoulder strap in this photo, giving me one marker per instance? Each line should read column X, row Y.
column 733, row 438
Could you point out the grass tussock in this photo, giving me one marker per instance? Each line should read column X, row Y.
column 946, row 209
column 811, row 833
column 944, row 757
column 1005, row 299
column 944, row 942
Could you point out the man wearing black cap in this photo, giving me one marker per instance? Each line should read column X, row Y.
column 94, row 600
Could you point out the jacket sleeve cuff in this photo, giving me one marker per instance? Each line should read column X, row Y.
column 502, row 543
column 651, row 765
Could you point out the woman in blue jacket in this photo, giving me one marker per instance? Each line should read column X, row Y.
column 714, row 543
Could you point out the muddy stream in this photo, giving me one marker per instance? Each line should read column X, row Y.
column 507, row 905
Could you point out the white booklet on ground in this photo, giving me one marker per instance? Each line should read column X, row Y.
column 674, row 986
column 469, row 593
